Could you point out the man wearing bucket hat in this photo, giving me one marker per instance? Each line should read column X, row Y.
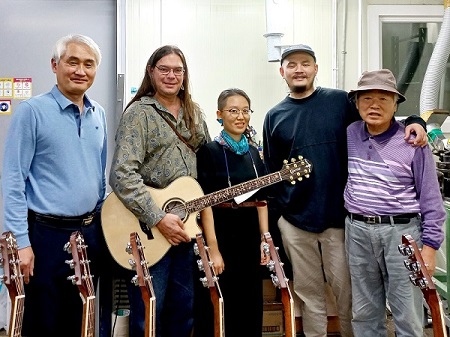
column 312, row 122
column 392, row 189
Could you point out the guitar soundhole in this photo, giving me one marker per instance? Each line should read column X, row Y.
column 176, row 206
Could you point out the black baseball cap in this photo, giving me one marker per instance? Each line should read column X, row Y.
column 298, row 48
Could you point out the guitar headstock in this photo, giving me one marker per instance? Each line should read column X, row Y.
column 279, row 279
column 419, row 274
column 80, row 264
column 139, row 264
column 296, row 169
column 12, row 275
column 204, row 263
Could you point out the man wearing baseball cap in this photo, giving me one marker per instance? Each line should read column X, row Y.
column 392, row 189
column 311, row 122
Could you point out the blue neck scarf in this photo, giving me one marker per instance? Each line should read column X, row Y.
column 226, row 140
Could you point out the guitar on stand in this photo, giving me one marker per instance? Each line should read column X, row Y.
column 83, row 280
column 280, row 281
column 144, row 281
column 13, row 279
column 420, row 277
column 182, row 197
column 211, row 281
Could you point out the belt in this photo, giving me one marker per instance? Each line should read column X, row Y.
column 242, row 204
column 57, row 221
column 377, row 219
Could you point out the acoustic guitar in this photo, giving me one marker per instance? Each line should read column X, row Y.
column 13, row 279
column 144, row 281
column 182, row 197
column 420, row 277
column 83, row 280
column 211, row 281
column 281, row 282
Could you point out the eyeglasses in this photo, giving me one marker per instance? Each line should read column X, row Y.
column 235, row 112
column 166, row 70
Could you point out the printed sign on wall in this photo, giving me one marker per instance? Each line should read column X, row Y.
column 22, row 88
column 6, row 87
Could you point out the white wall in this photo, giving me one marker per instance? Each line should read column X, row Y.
column 224, row 45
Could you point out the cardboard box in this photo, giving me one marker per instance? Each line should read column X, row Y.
column 273, row 323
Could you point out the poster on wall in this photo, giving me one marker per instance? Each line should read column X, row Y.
column 6, row 87
column 22, row 88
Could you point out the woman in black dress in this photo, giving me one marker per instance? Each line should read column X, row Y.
column 233, row 230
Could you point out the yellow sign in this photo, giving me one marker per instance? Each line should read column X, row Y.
column 6, row 87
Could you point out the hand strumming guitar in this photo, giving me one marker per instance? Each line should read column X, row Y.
column 172, row 228
column 26, row 257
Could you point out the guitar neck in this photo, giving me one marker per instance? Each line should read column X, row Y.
column 219, row 314
column 225, row 194
column 437, row 312
column 150, row 318
column 88, row 323
column 288, row 311
column 16, row 318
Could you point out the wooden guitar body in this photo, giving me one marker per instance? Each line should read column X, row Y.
column 183, row 197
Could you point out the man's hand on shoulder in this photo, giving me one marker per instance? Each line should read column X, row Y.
column 420, row 139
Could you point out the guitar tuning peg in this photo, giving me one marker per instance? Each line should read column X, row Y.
column 306, row 175
column 134, row 280
column 128, row 248
column 266, row 249
column 285, row 162
column 204, row 281
column 200, row 265
column 300, row 157
column 270, row 265
column 196, row 250
column 67, row 247
column 70, row 263
column 293, row 182
column 293, row 160
column 73, row 279
column 132, row 263
column 275, row 281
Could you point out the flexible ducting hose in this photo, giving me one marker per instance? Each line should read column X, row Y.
column 436, row 67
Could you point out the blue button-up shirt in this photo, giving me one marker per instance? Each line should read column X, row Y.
column 54, row 160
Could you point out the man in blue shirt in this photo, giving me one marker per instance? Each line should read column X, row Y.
column 54, row 183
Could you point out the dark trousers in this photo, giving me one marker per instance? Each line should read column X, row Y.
column 53, row 306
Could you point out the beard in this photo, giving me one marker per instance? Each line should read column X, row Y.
column 298, row 89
